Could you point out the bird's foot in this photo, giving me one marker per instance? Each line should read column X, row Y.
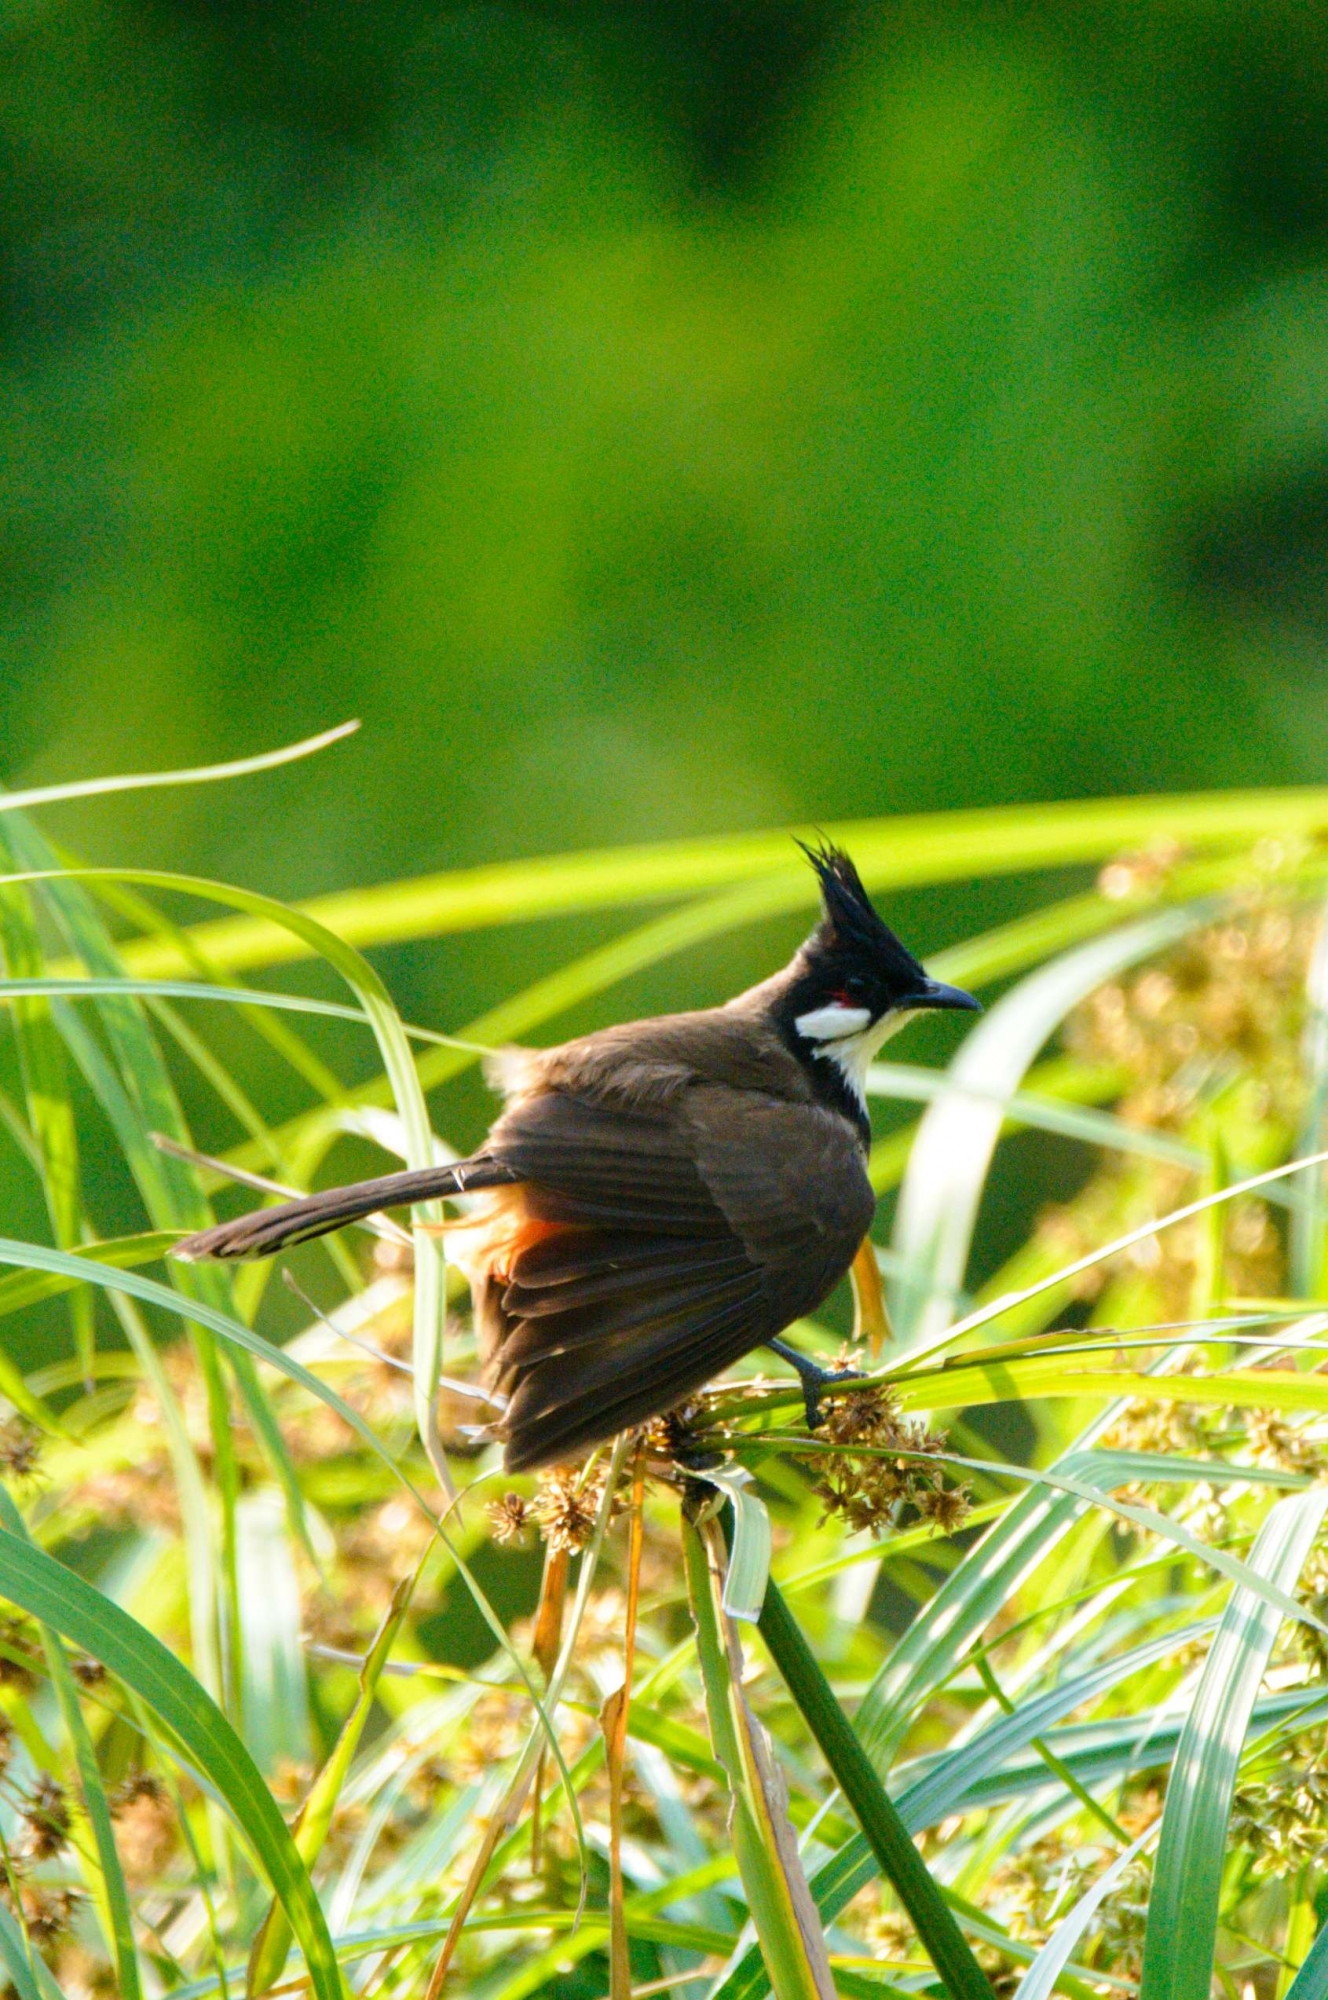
column 816, row 1381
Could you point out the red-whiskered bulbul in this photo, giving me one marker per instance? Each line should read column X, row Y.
column 658, row 1198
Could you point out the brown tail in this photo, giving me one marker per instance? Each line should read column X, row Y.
column 268, row 1230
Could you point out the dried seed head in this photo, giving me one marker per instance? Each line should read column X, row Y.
column 566, row 1508
column 20, row 1448
column 865, row 1486
column 89, row 1673
column 146, row 1828
column 17, row 1654
column 139, row 1785
column 48, row 1913
column 1276, row 1442
column 666, row 1436
column 46, row 1817
column 946, row 1507
column 509, row 1518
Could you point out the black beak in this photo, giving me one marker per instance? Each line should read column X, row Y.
column 934, row 994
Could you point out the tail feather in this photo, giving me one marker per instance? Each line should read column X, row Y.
column 268, row 1230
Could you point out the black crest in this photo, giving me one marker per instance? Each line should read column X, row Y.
column 850, row 927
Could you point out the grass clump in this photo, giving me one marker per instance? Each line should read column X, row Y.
column 297, row 1686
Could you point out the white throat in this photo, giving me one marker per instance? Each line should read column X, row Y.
column 850, row 1039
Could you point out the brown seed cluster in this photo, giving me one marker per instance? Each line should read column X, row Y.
column 20, row 1449
column 882, row 1463
column 145, row 1827
column 567, row 1506
column 1033, row 1890
column 510, row 1518
column 47, row 1817
column 1281, row 1820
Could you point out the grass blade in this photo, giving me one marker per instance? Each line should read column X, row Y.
column 891, row 853
column 113, row 1888
column 53, row 1595
column 948, row 1165
column 394, row 1048
column 876, row 1813
column 787, row 1924
column 1311, row 1982
column 205, row 774
column 311, row 1828
column 1181, row 1938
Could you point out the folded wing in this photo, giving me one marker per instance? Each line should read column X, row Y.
column 644, row 1251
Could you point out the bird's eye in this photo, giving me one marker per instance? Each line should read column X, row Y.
column 852, row 991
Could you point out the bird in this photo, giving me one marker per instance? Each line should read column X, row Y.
column 661, row 1197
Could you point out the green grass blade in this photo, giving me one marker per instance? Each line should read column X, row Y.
column 30, row 1977
column 27, row 1288
column 1044, row 1974
column 748, row 1569
column 948, row 1166
column 52, row 1594
column 311, row 1828
column 965, row 1603
column 114, row 1890
column 899, row 853
column 204, row 774
column 878, row 1817
column 38, row 1256
column 394, row 1048
column 1306, row 1263
column 1311, row 1982
column 787, row 1926
column 276, row 1696
column 46, row 1088
column 1181, row 1937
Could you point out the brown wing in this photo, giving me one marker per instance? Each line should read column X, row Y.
column 655, row 1246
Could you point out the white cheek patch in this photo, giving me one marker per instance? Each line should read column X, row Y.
column 851, row 1040
column 832, row 1023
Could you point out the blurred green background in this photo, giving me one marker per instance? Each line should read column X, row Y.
column 655, row 419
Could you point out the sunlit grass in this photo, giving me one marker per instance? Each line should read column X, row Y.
column 301, row 1693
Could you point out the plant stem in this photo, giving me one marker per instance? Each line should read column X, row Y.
column 885, row 1832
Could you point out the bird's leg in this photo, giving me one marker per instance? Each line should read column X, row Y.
column 815, row 1379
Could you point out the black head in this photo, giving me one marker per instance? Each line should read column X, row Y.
column 847, row 981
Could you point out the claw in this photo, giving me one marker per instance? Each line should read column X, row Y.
column 816, row 1381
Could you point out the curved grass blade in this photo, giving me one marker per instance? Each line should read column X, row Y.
column 399, row 1066
column 31, row 1977
column 947, row 1168
column 47, row 1591
column 748, row 1569
column 40, row 1257
column 969, row 1598
column 113, row 1888
column 315, row 1817
column 1311, row 1982
column 27, row 1288
column 1041, row 1979
column 983, row 1314
column 204, row 774
column 909, row 1083
column 46, row 1088
column 898, row 853
column 1181, row 1938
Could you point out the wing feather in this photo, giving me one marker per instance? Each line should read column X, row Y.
column 674, row 1238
